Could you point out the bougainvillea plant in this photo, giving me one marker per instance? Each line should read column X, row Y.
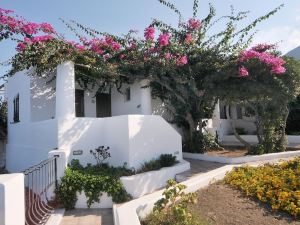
column 178, row 62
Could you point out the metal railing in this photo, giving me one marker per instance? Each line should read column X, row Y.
column 40, row 184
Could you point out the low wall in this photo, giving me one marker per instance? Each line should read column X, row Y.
column 12, row 200
column 244, row 159
column 105, row 202
column 145, row 183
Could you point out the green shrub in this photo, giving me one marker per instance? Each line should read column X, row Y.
column 165, row 160
column 200, row 143
column 172, row 209
column 241, row 131
column 92, row 180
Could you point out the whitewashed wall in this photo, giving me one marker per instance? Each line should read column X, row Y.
column 42, row 98
column 133, row 139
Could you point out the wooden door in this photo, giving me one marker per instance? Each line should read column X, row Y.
column 79, row 103
column 103, row 105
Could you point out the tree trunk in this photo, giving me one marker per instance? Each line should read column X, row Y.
column 283, row 136
column 233, row 125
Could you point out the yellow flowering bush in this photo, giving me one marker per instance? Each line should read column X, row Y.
column 277, row 185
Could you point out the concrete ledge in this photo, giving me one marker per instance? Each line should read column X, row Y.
column 239, row 160
column 145, row 183
column 56, row 217
column 105, row 202
column 130, row 212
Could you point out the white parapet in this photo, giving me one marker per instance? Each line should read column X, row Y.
column 12, row 199
column 145, row 183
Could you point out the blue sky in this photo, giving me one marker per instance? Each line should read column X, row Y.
column 118, row 16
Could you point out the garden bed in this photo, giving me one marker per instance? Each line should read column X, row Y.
column 219, row 204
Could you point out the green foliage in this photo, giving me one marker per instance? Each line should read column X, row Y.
column 172, row 209
column 200, row 143
column 165, row 160
column 93, row 181
column 3, row 116
column 241, row 130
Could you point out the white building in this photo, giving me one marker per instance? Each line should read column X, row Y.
column 43, row 116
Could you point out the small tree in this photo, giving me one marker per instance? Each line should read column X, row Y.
column 265, row 84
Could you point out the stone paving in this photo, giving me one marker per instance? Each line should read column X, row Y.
column 88, row 217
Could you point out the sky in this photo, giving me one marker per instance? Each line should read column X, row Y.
column 118, row 16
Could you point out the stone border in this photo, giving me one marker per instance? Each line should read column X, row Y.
column 129, row 213
column 239, row 160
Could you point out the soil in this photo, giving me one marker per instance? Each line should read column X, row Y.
column 221, row 205
column 229, row 151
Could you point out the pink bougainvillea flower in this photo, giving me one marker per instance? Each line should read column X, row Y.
column 6, row 11
column 163, row 39
column 243, row 72
column 80, row 47
column 194, row 24
column 182, row 60
column 47, row 28
column 132, row 45
column 188, row 38
column 263, row 47
column 278, row 70
column 168, row 55
column 43, row 38
column 21, row 46
column 122, row 56
column 149, row 33
column 108, row 40
column 115, row 46
column 30, row 28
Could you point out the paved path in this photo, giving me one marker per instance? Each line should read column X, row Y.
column 88, row 217
column 197, row 167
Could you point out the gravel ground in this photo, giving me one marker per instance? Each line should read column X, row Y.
column 222, row 205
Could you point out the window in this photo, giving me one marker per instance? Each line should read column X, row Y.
column 223, row 111
column 127, row 95
column 16, row 109
column 79, row 103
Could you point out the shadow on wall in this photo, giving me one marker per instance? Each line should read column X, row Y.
column 42, row 98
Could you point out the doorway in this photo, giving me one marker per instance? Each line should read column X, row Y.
column 103, row 105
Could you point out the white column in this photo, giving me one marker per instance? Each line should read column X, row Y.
column 146, row 98
column 65, row 90
column 12, row 199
